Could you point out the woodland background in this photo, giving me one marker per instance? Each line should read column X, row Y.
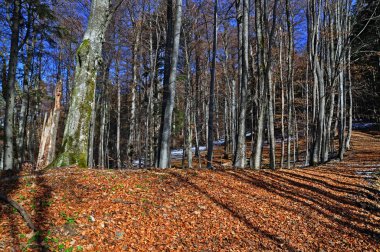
column 248, row 75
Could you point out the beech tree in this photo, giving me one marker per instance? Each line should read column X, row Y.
column 212, row 87
column 89, row 57
column 171, row 58
column 240, row 155
column 9, row 93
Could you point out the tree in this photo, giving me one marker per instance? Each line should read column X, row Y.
column 240, row 155
column 89, row 57
column 171, row 58
column 46, row 152
column 212, row 92
column 10, row 87
column 265, row 38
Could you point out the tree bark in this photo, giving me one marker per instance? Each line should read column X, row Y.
column 46, row 152
column 21, row 137
column 89, row 56
column 210, row 145
column 170, row 82
column 10, row 87
column 240, row 154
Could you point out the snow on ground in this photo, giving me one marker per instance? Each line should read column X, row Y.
column 363, row 125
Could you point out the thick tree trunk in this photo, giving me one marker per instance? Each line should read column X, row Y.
column 89, row 55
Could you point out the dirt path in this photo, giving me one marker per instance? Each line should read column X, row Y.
column 330, row 208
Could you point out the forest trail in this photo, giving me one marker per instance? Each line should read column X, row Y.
column 333, row 207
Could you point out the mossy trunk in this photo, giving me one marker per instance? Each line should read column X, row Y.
column 74, row 150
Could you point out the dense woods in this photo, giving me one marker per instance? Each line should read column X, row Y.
column 133, row 84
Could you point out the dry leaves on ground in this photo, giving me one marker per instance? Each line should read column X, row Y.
column 334, row 207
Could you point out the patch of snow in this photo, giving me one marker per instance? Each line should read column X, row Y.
column 219, row 142
column 364, row 165
column 177, row 152
column 201, row 148
column 137, row 163
column 366, row 174
column 362, row 125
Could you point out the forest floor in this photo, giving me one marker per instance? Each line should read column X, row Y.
column 333, row 207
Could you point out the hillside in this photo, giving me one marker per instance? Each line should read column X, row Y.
column 331, row 207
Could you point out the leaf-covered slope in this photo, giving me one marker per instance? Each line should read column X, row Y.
column 332, row 208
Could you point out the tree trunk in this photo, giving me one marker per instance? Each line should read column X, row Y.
column 89, row 55
column 118, row 123
column 350, row 105
column 46, row 153
column 24, row 105
column 133, row 87
column 188, row 128
column 210, row 145
column 257, row 151
column 240, row 154
column 307, row 148
column 282, row 105
column 290, row 84
column 171, row 59
column 10, row 87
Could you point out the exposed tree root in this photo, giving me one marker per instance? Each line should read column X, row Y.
column 20, row 209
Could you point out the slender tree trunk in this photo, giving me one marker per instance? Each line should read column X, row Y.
column 307, row 140
column 282, row 105
column 341, row 23
column 350, row 105
column 210, row 145
column 197, row 113
column 257, row 151
column 132, row 125
column 24, row 105
column 290, row 84
column 118, row 123
column 102, row 128
column 90, row 153
column 170, row 82
column 10, row 87
column 272, row 139
column 3, row 94
column 188, row 129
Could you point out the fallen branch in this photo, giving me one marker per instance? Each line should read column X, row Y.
column 20, row 209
